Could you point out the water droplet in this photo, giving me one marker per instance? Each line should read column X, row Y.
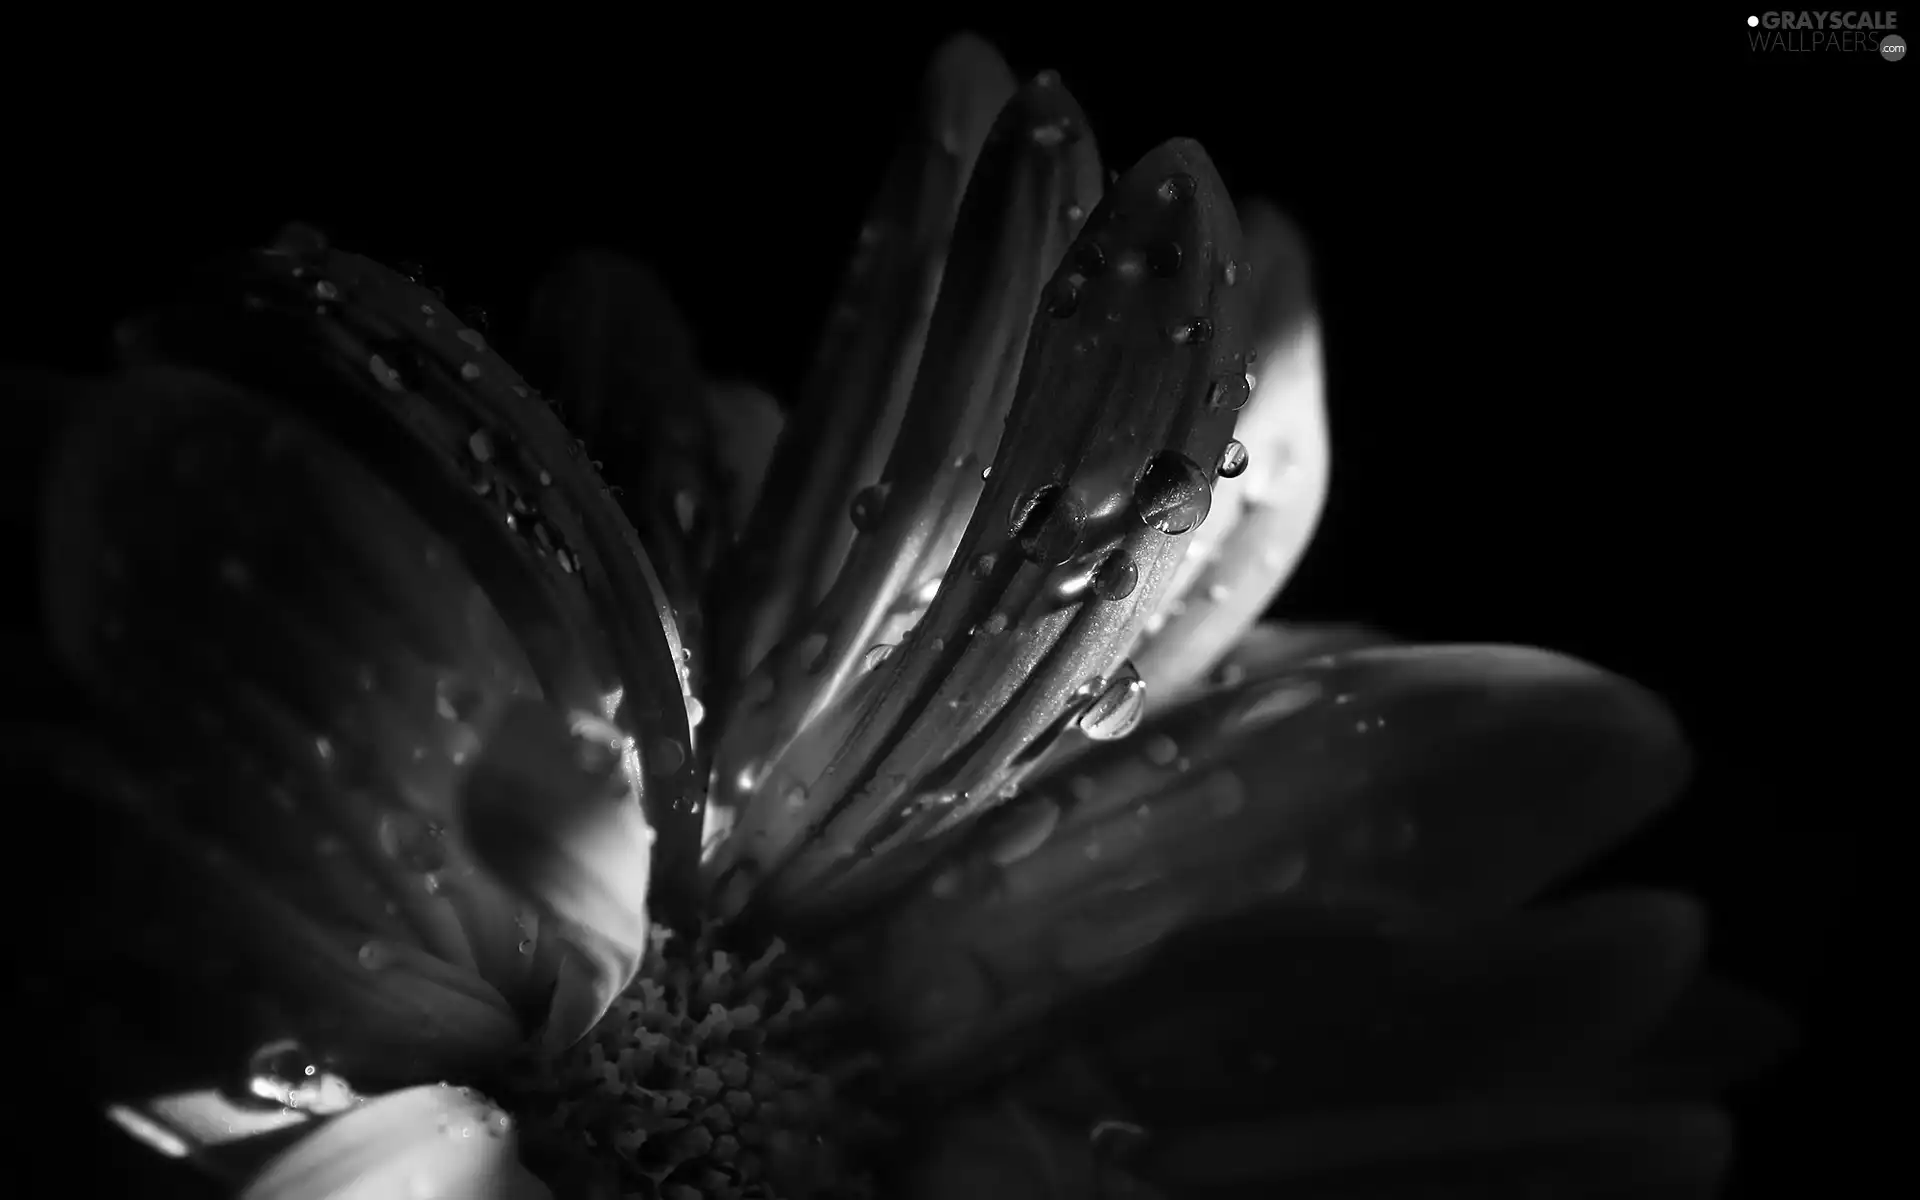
column 481, row 445
column 1073, row 212
column 696, row 712
column 983, row 566
column 1233, row 459
column 1051, row 134
column 373, row 955
column 1023, row 830
column 1116, row 577
column 667, row 757
column 986, row 473
column 413, row 841
column 686, row 509
column 1063, row 300
column 470, row 371
column 455, row 699
column 1196, row 332
column 1171, row 493
column 526, row 945
column 323, row 749
column 1161, row 750
column 869, row 504
column 1118, row 708
column 472, row 337
column 1048, row 524
column 1231, row 272
column 946, row 885
column 877, row 655
column 1218, row 592
column 996, row 624
column 795, row 798
column 1163, row 259
column 1176, row 188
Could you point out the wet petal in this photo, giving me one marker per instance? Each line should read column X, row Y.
column 1720, row 1035
column 549, row 812
column 1398, row 785
column 1273, row 481
column 379, row 364
column 1251, row 1019
column 851, row 406
column 1272, row 646
column 1099, row 462
column 1016, row 220
column 425, row 1143
column 1435, row 1150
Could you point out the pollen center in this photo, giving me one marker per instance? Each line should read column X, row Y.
column 718, row 1074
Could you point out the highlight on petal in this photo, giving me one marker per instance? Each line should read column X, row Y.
column 1016, row 219
column 1395, row 785
column 430, row 1143
column 548, row 811
column 851, row 406
column 1272, row 646
column 1273, row 475
column 1096, row 484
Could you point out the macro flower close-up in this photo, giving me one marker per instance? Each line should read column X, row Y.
column 523, row 764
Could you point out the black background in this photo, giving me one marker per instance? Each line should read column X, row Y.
column 1604, row 306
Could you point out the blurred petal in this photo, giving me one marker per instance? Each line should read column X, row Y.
column 1449, row 1150
column 1096, row 486
column 1018, row 215
column 1267, row 510
column 1398, row 785
column 379, row 364
column 1238, row 1022
column 852, row 404
column 747, row 423
column 1273, row 646
column 1720, row 1035
column 425, row 1143
column 547, row 811
column 1009, row 1153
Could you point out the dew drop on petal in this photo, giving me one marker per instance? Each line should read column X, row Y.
column 1023, row 832
column 1048, row 525
column 412, row 841
column 1229, row 392
column 1176, row 188
column 1196, row 332
column 696, row 712
column 1062, row 300
column 1116, row 576
column 1163, row 259
column 1233, row 459
column 1117, row 710
column 877, row 655
column 1171, row 493
column 1161, row 750
column 869, row 505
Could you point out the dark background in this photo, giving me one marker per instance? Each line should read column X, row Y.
column 1603, row 304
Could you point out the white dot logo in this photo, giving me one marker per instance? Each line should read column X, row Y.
column 1752, row 21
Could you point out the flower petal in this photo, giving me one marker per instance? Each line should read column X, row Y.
column 1010, row 1153
column 421, row 1144
column 547, row 810
column 1242, row 1021
column 851, row 406
column 1671, row 1150
column 1394, row 784
column 1095, row 487
column 1016, row 220
column 1267, row 510
column 1272, row 646
column 378, row 363
column 747, row 423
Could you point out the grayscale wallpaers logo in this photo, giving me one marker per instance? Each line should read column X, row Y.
column 1840, row 32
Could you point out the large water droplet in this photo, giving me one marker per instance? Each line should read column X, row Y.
column 869, row 505
column 1163, row 259
column 1062, row 300
column 1023, row 830
column 1117, row 710
column 1161, row 750
column 1229, row 393
column 1233, row 459
column 1048, row 524
column 1176, row 188
column 1171, row 493
column 1116, row 576
column 1087, row 258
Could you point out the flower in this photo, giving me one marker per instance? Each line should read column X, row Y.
column 571, row 755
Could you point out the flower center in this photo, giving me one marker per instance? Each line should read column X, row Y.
column 717, row 1075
